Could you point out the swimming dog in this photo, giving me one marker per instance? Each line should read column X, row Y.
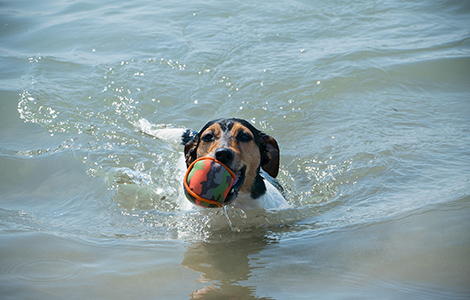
column 251, row 154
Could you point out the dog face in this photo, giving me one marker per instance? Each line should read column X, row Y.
column 238, row 145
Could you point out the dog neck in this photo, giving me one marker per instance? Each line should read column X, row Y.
column 265, row 193
column 258, row 188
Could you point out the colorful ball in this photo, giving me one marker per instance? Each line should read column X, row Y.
column 207, row 182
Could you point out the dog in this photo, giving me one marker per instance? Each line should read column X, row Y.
column 251, row 154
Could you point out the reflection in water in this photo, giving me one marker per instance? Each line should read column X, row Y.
column 225, row 266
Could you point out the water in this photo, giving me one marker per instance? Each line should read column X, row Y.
column 368, row 100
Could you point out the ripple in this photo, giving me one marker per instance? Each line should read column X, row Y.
column 45, row 270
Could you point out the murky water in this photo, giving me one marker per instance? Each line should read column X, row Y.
column 369, row 102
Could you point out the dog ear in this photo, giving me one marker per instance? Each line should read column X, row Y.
column 190, row 150
column 269, row 155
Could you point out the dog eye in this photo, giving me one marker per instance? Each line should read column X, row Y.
column 208, row 137
column 244, row 137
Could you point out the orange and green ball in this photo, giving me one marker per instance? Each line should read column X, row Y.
column 207, row 182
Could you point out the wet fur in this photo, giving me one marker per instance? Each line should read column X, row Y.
column 260, row 155
column 252, row 149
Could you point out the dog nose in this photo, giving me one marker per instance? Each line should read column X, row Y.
column 224, row 155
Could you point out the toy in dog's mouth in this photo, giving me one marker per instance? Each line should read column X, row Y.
column 209, row 183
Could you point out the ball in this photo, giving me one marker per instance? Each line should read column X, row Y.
column 208, row 182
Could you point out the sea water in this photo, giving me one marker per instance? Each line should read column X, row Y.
column 368, row 100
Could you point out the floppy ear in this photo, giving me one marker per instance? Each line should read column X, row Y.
column 269, row 155
column 190, row 150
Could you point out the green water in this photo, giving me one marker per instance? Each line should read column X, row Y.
column 368, row 100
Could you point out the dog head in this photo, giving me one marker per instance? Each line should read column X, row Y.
column 241, row 147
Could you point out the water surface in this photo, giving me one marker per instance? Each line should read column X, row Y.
column 368, row 100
